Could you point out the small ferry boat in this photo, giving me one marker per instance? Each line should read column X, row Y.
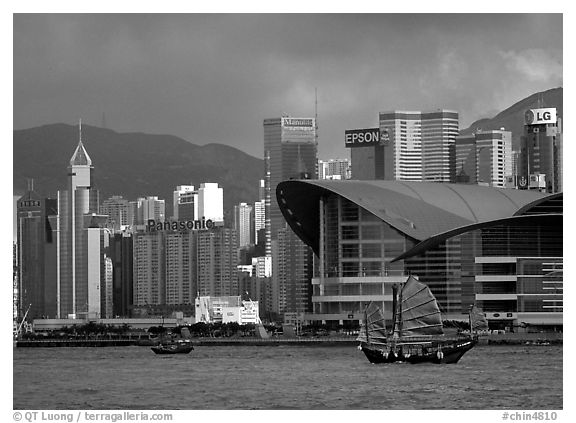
column 170, row 345
column 179, row 346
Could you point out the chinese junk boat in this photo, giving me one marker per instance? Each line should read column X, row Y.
column 417, row 335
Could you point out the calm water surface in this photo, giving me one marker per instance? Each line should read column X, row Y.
column 283, row 377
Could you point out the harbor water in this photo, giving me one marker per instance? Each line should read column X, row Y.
column 283, row 377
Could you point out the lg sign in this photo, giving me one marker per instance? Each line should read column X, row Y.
column 540, row 116
column 365, row 137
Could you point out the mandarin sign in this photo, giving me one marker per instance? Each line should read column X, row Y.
column 298, row 122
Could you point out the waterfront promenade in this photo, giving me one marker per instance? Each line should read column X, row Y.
column 492, row 339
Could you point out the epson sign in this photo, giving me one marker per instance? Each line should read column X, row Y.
column 365, row 137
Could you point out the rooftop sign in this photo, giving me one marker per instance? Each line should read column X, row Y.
column 365, row 137
column 540, row 116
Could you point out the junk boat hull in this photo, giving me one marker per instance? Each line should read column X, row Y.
column 448, row 354
column 417, row 334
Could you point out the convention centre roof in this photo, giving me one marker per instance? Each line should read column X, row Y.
column 418, row 209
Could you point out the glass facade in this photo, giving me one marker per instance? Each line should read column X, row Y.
column 357, row 249
column 509, row 270
column 506, row 269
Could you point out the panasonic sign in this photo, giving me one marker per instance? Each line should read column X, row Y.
column 365, row 137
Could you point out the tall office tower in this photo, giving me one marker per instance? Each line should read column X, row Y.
column 217, row 259
column 262, row 190
column 439, row 130
column 210, row 202
column 290, row 146
column 121, row 254
column 149, row 268
column 403, row 152
column 334, row 169
column 294, row 270
column 244, row 224
column 494, row 157
column 36, row 255
column 466, row 163
column 410, row 146
column 99, row 274
column 117, row 210
column 259, row 222
column 267, row 205
column 185, row 203
column 541, row 150
column 290, row 151
column 147, row 208
column 76, row 204
column 180, row 269
column 153, row 208
column 484, row 158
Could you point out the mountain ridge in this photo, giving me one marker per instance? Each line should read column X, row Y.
column 136, row 164
column 133, row 164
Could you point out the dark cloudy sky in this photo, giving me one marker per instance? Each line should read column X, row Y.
column 214, row 78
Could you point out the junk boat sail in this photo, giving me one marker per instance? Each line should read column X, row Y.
column 417, row 334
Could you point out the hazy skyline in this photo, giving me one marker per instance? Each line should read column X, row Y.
column 214, row 77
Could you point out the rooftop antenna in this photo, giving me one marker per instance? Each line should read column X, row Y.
column 316, row 115
column 80, row 128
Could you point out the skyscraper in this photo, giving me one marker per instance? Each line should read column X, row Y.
column 149, row 286
column 217, row 260
column 244, row 224
column 439, row 130
column 185, row 203
column 421, row 145
column 117, row 210
column 75, row 205
column 485, row 157
column 210, row 202
column 36, row 255
column 290, row 150
column 147, row 208
column 180, row 269
column 541, row 149
column 334, row 169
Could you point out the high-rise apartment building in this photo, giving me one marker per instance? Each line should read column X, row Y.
column 185, row 203
column 210, row 202
column 294, row 269
column 36, row 255
column 118, row 211
column 259, row 221
column 75, row 209
column 484, row 158
column 149, row 268
column 541, row 150
column 147, row 208
column 216, row 261
column 334, row 169
column 180, row 268
column 244, row 224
